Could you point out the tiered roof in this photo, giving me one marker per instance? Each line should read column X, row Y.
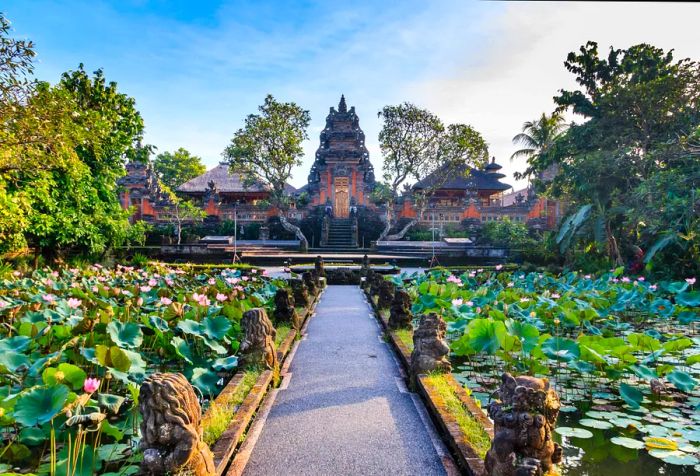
column 224, row 182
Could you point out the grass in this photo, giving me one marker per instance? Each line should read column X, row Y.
column 282, row 332
column 444, row 396
column 221, row 413
column 405, row 336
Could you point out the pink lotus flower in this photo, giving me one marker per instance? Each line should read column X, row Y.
column 511, row 284
column 95, row 289
column 166, row 301
column 457, row 302
column 641, row 278
column 74, row 285
column 555, row 296
column 254, row 271
column 652, row 287
column 245, row 278
column 690, row 281
column 91, row 385
column 49, row 298
column 588, row 276
column 54, row 274
column 499, row 267
column 212, row 281
column 145, row 289
column 152, row 282
column 139, row 301
column 480, row 270
column 16, row 274
column 169, row 282
column 221, row 297
column 265, row 273
column 625, row 279
column 74, row 303
column 3, row 304
column 201, row 299
column 239, row 288
column 469, row 303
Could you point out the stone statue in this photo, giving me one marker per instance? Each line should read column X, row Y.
column 523, row 416
column 310, row 282
column 171, row 430
column 301, row 294
column 319, row 266
column 375, row 282
column 258, row 344
column 400, row 315
column 386, row 294
column 365, row 265
column 429, row 346
column 284, row 308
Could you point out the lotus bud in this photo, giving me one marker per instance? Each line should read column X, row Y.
column 59, row 376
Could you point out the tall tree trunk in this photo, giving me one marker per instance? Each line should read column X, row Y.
column 387, row 222
column 404, row 230
column 179, row 232
column 303, row 242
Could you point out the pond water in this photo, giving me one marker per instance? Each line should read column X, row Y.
column 612, row 433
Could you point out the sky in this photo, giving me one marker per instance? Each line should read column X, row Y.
column 196, row 69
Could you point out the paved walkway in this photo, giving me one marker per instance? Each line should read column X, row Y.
column 345, row 410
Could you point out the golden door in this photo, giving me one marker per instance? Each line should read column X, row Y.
column 342, row 197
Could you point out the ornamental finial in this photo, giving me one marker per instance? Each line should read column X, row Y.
column 342, row 107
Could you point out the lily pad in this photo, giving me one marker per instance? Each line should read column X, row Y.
column 571, row 432
column 599, row 424
column 628, row 442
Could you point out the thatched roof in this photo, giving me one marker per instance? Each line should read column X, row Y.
column 225, row 182
column 465, row 178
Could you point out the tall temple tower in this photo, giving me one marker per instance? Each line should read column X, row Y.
column 342, row 175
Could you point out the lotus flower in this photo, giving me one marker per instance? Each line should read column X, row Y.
column 254, row 271
column 625, row 279
column 221, row 297
column 690, row 281
column 652, row 287
column 457, row 302
column 555, row 296
column 49, row 298
column 91, row 385
column 166, row 301
column 152, row 282
column 145, row 289
column 74, row 303
column 201, row 299
column 212, row 281
column 3, row 304
column 499, row 267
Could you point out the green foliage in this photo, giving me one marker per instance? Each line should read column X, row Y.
column 175, row 168
column 507, row 233
column 634, row 161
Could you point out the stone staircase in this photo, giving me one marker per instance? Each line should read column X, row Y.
column 340, row 235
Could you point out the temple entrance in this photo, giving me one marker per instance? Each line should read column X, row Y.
column 342, row 198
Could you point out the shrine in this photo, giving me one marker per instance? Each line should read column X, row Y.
column 342, row 176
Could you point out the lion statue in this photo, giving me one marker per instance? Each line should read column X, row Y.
column 429, row 346
column 524, row 415
column 171, row 430
column 400, row 314
column 284, row 308
column 258, row 344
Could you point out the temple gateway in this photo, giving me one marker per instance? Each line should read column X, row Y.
column 340, row 183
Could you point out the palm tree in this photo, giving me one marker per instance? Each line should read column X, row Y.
column 538, row 135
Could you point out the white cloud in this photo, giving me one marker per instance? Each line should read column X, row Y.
column 520, row 68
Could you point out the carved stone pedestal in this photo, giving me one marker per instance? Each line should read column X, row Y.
column 400, row 316
column 171, row 429
column 284, row 308
column 258, row 344
column 523, row 415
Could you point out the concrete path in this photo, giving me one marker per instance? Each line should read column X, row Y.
column 345, row 409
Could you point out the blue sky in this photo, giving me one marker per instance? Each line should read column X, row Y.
column 196, row 69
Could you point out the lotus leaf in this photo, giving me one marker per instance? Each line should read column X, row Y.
column 39, row 405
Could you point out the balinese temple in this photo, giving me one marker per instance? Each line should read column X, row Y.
column 342, row 175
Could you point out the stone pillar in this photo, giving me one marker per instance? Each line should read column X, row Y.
column 523, row 415
column 171, row 428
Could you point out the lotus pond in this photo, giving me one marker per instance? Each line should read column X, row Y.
column 76, row 343
column 623, row 353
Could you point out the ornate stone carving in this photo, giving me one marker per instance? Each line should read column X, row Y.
column 524, row 416
column 284, row 308
column 386, row 294
column 429, row 346
column 258, row 344
column 171, row 430
column 375, row 281
column 319, row 266
column 400, row 316
column 311, row 282
column 301, row 293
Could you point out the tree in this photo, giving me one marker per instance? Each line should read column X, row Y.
column 174, row 169
column 415, row 145
column 538, row 137
column 640, row 107
column 267, row 148
column 180, row 212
